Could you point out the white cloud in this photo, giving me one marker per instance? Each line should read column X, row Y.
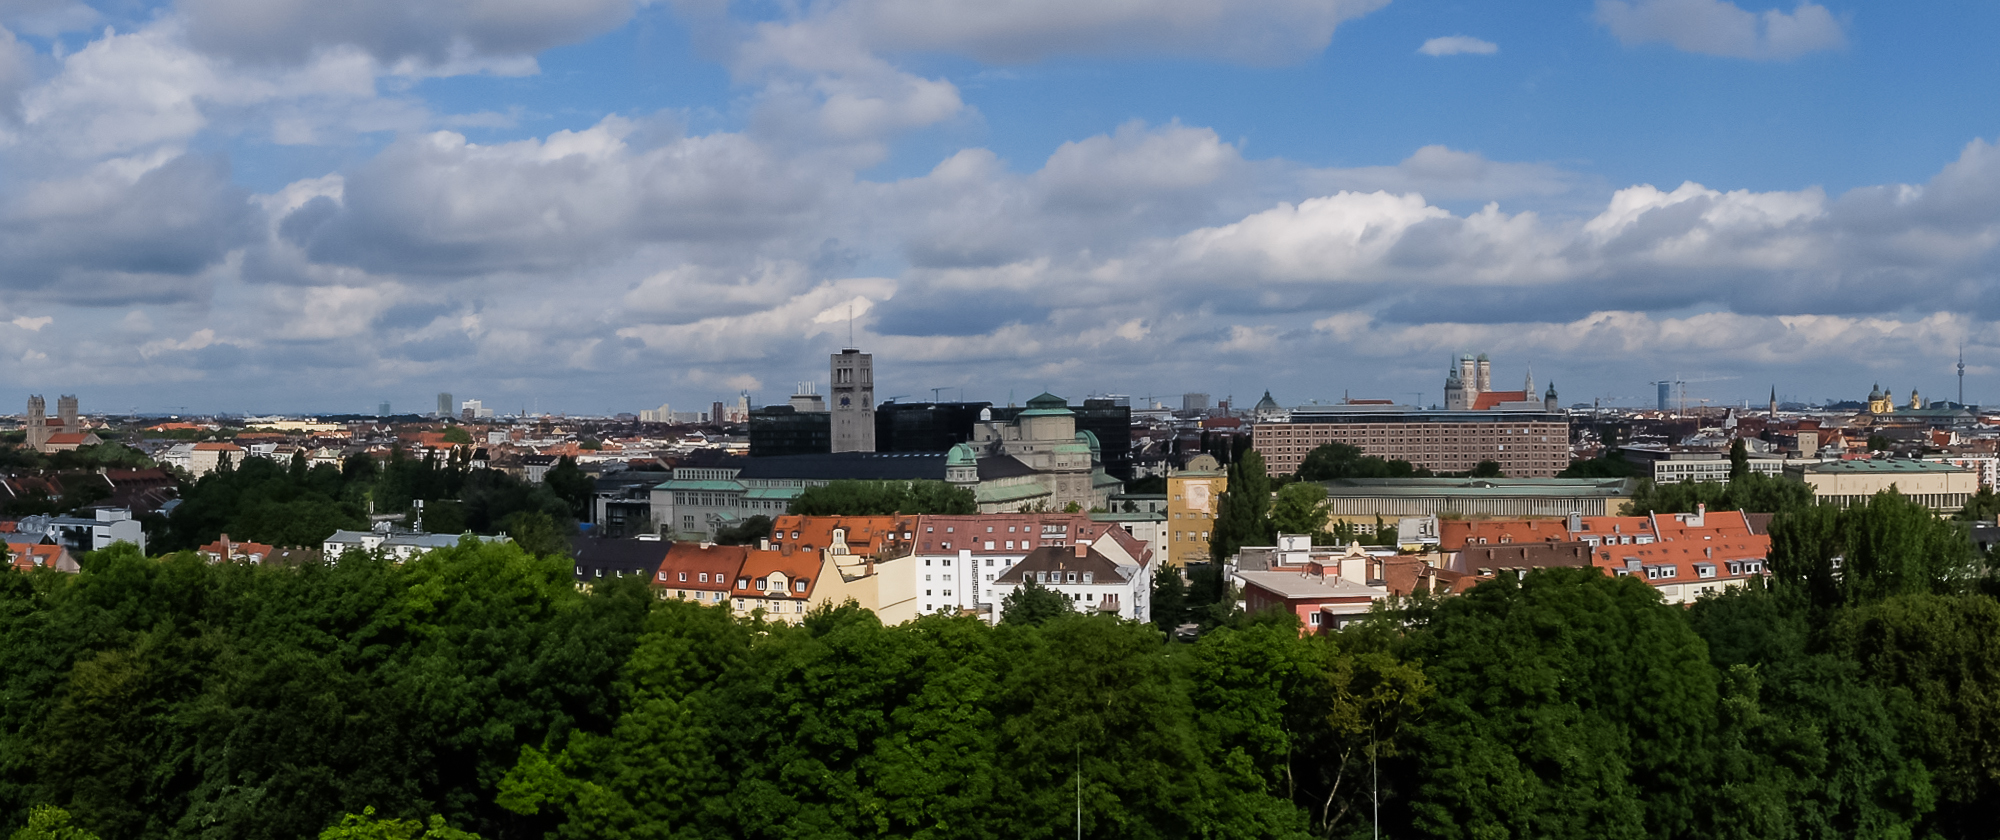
column 412, row 37
column 1720, row 27
column 1458, row 45
column 34, row 324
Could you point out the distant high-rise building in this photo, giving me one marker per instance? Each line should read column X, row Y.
column 807, row 398
column 715, row 413
column 383, row 409
column 444, row 404
column 853, row 401
column 663, row 414
column 1666, row 393
column 1194, row 403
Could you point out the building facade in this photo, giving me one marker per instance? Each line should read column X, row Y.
column 852, row 400
column 1944, row 488
column 1524, row 444
column 1193, row 500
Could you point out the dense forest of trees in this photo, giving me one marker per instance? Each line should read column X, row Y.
column 292, row 504
column 157, row 698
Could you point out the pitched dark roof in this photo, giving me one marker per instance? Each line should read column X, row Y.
column 1063, row 558
column 642, row 556
column 994, row 467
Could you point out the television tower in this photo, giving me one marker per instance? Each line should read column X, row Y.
column 1961, row 374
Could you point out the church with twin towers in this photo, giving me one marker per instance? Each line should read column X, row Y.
column 1468, row 386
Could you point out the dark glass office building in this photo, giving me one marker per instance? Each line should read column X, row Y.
column 925, row 427
column 784, row 430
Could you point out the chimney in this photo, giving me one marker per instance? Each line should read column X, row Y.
column 1700, row 515
column 764, row 544
column 1083, row 548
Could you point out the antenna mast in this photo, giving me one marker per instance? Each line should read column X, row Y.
column 1961, row 374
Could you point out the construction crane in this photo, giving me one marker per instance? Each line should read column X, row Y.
column 1683, row 383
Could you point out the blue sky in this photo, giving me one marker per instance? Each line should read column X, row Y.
column 603, row 205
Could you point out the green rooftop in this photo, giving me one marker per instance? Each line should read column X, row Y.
column 1479, row 487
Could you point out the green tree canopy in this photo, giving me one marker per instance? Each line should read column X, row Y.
column 1245, row 508
column 1302, row 508
column 1033, row 603
column 881, row 498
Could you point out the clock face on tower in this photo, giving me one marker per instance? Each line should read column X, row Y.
column 846, row 401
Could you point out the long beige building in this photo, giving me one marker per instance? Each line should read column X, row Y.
column 1525, row 444
column 1940, row 487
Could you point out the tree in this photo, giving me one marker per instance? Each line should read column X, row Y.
column 1033, row 603
column 881, row 498
column 1890, row 546
column 1332, row 461
column 1245, row 508
column 366, row 826
column 1879, row 443
column 1302, row 508
column 1982, row 507
column 1570, row 704
column 1169, row 598
column 1487, row 469
column 572, row 485
column 747, row 532
column 457, row 434
column 1739, row 459
column 48, row 822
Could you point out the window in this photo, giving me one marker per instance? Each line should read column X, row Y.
column 930, row 529
column 989, row 529
column 1027, row 545
column 762, row 584
column 1072, row 577
column 795, row 535
column 1010, row 545
column 989, row 545
column 927, row 561
column 989, row 564
column 663, row 576
column 947, row 546
column 1086, row 577
column 799, row 585
column 1314, row 619
column 743, row 583
column 947, row 578
column 947, row 593
column 947, row 529
column 684, row 576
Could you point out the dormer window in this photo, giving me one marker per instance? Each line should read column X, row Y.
column 799, row 585
column 761, row 584
column 743, row 583
column 1087, row 577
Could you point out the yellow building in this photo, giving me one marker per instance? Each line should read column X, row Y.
column 1193, row 495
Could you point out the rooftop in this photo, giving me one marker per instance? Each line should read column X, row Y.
column 1884, row 466
column 1475, row 487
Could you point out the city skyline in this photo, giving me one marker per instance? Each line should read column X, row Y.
column 604, row 205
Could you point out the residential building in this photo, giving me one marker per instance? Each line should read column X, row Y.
column 853, row 401
column 701, row 572
column 99, row 529
column 1985, row 467
column 597, row 558
column 663, row 414
column 780, row 584
column 622, row 504
column 960, row 558
column 226, row 550
column 1526, row 444
column 1193, row 501
column 1326, row 587
column 207, row 457
column 29, row 557
column 400, row 547
column 1944, row 488
column 535, row 467
column 1086, row 574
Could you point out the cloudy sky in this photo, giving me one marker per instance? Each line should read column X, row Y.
column 603, row 205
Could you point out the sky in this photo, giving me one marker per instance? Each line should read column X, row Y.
column 594, row 206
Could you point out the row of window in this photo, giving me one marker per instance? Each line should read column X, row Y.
column 762, row 584
column 1057, row 577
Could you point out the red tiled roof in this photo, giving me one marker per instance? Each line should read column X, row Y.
column 1454, row 534
column 720, row 564
column 865, row 534
column 797, row 568
column 1487, row 400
